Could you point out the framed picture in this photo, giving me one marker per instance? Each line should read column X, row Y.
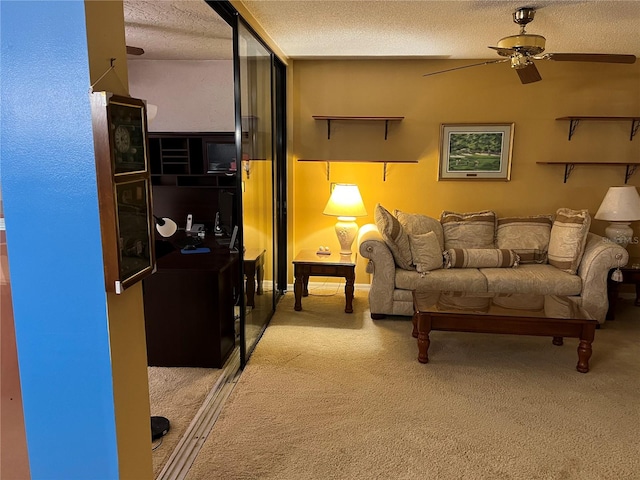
column 476, row 151
column 124, row 189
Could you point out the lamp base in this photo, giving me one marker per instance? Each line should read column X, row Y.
column 620, row 233
column 346, row 230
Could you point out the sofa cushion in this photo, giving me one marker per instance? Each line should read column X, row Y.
column 562, row 307
column 468, row 230
column 426, row 253
column 394, row 236
column 415, row 224
column 460, row 280
column 520, row 301
column 527, row 236
column 568, row 238
column 479, row 258
column 539, row 279
column 464, row 302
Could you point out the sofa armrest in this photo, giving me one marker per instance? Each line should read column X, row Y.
column 381, row 266
column 600, row 256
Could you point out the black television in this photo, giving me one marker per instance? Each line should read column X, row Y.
column 221, row 157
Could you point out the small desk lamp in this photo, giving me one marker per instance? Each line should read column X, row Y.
column 621, row 206
column 165, row 226
column 346, row 204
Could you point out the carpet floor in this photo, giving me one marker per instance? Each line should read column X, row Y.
column 329, row 395
column 177, row 394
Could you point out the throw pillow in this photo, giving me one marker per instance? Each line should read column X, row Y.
column 527, row 236
column 426, row 252
column 416, row 224
column 568, row 238
column 480, row 258
column 394, row 236
column 468, row 230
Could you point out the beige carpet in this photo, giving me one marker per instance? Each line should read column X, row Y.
column 177, row 394
column 329, row 395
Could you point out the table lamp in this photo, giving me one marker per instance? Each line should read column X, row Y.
column 621, row 206
column 346, row 204
column 165, row 226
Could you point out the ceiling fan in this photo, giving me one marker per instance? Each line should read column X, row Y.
column 134, row 50
column 522, row 49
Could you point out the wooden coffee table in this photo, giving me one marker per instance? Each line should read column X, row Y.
column 308, row 263
column 438, row 311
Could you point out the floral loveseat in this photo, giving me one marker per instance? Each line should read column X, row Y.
column 481, row 252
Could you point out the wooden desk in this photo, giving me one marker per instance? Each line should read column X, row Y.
column 253, row 269
column 188, row 308
column 308, row 263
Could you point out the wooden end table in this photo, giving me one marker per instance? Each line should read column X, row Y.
column 308, row 263
column 253, row 270
column 630, row 274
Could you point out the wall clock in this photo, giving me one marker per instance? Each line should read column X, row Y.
column 124, row 188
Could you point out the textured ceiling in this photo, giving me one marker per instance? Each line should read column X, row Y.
column 181, row 30
column 454, row 29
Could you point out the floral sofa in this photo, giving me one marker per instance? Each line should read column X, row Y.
column 482, row 252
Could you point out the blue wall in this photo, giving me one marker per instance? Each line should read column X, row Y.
column 53, row 236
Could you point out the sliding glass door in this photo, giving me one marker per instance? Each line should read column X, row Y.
column 259, row 79
column 256, row 110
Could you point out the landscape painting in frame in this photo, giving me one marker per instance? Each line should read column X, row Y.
column 476, row 151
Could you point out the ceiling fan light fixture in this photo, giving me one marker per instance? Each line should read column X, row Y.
column 527, row 43
column 519, row 61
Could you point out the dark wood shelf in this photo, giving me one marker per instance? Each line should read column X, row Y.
column 384, row 162
column 354, row 161
column 575, row 120
column 348, row 118
column 568, row 167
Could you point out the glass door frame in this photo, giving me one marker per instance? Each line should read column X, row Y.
column 279, row 155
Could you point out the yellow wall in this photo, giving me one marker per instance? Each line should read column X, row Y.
column 484, row 94
column 105, row 39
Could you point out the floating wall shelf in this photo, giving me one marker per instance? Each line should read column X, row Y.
column 568, row 167
column 329, row 118
column 574, row 121
column 384, row 162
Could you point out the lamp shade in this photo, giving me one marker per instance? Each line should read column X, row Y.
column 165, row 226
column 620, row 204
column 345, row 201
column 152, row 111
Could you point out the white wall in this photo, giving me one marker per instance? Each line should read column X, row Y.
column 192, row 96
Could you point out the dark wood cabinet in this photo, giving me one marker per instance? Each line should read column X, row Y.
column 209, row 158
column 189, row 309
column 189, row 301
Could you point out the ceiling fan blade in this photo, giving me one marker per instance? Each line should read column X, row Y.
column 134, row 50
column 505, row 52
column 467, row 66
column 529, row 74
column 590, row 57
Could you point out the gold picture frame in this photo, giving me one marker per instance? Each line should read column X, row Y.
column 480, row 151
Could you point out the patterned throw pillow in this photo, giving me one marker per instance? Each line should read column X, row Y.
column 468, row 230
column 394, row 236
column 480, row 258
column 568, row 238
column 527, row 236
column 417, row 224
column 426, row 252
